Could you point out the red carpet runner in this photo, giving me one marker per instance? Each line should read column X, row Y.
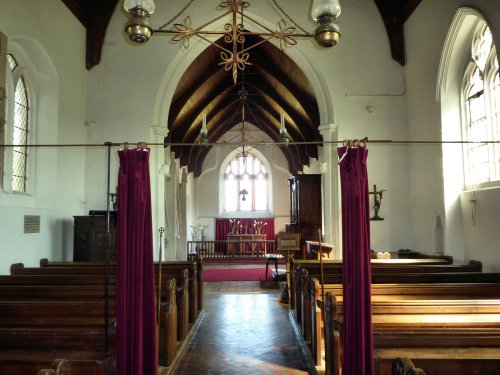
column 236, row 274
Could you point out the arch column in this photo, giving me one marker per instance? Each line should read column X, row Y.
column 170, row 205
column 156, row 167
column 329, row 183
column 182, row 215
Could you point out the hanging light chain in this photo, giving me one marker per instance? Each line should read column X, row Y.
column 290, row 18
column 176, row 16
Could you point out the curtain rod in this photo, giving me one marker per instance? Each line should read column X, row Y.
column 239, row 144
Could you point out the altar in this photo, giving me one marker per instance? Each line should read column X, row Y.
column 249, row 243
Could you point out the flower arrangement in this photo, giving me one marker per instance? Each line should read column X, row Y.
column 198, row 230
column 258, row 225
column 234, row 226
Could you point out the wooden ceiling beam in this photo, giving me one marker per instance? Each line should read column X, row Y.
column 394, row 14
column 262, row 87
column 179, row 101
column 308, row 103
column 94, row 15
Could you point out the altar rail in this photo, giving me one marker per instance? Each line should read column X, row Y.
column 231, row 249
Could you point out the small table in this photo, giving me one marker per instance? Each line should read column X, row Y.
column 275, row 258
column 252, row 241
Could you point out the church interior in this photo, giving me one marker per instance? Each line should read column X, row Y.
column 243, row 116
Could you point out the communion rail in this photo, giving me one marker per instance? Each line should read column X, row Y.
column 231, row 249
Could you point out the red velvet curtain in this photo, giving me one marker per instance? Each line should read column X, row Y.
column 135, row 295
column 357, row 328
column 222, row 227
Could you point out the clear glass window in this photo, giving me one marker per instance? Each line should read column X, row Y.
column 245, row 184
column 19, row 131
column 481, row 109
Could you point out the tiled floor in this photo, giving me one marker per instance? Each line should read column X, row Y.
column 243, row 330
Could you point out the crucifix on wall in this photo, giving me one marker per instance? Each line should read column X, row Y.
column 377, row 201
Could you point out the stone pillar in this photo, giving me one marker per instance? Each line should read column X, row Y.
column 171, row 204
column 330, row 184
column 157, row 135
column 183, row 235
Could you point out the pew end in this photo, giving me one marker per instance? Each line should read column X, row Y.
column 75, row 367
column 404, row 366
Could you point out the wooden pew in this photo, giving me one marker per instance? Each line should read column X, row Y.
column 195, row 284
column 470, row 361
column 58, row 292
column 15, row 298
column 379, row 267
column 27, row 363
column 31, row 338
column 67, row 367
column 404, row 366
column 437, row 331
column 195, row 267
column 384, row 294
column 330, row 267
column 383, row 278
column 79, row 275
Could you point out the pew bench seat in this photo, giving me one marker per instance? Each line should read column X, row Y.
column 27, row 362
column 449, row 332
column 63, row 366
column 463, row 361
column 437, row 337
column 47, row 338
column 417, row 321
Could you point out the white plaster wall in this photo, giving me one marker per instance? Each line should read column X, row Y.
column 426, row 32
column 368, row 94
column 55, row 52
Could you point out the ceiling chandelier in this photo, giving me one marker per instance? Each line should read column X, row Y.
column 235, row 56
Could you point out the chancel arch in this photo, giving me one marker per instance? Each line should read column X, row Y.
column 276, row 83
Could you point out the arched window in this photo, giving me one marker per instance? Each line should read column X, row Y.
column 245, row 184
column 20, row 126
column 481, row 107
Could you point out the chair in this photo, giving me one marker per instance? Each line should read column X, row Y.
column 273, row 258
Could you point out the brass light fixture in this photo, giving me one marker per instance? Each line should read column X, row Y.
column 283, row 133
column 235, row 56
column 204, row 130
column 325, row 13
column 137, row 27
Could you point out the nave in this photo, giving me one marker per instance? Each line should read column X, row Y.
column 243, row 330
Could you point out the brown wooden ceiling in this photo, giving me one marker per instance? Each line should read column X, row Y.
column 274, row 84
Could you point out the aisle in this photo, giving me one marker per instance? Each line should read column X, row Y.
column 244, row 333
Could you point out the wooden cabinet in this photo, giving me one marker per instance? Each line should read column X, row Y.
column 305, row 199
column 305, row 206
column 90, row 238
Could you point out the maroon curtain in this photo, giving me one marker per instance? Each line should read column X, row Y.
column 356, row 275
column 222, row 227
column 135, row 293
